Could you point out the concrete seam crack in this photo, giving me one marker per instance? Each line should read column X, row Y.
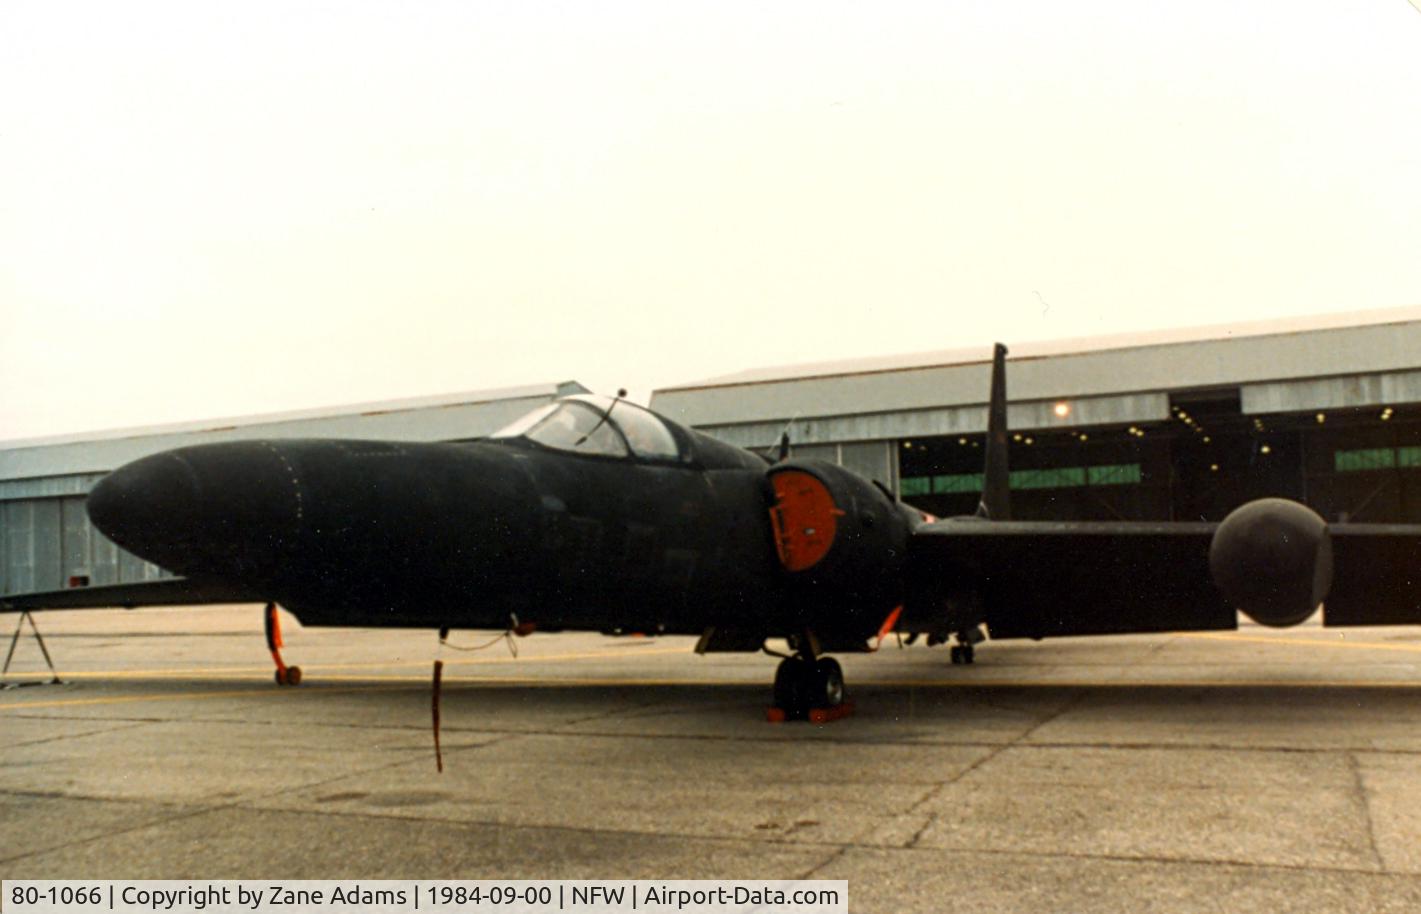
column 1360, row 792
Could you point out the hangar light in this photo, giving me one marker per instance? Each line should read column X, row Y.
column 1266, row 449
column 1321, row 418
column 1062, row 410
column 1214, row 467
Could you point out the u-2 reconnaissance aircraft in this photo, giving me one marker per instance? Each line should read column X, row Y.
column 595, row 514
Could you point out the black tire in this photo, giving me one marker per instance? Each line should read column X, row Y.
column 828, row 688
column 791, row 686
column 293, row 675
column 967, row 653
column 956, row 653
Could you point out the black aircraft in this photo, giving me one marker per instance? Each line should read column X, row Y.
column 595, row 514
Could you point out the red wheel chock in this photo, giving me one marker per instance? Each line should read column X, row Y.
column 815, row 715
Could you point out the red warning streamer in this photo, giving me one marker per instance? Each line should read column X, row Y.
column 434, row 713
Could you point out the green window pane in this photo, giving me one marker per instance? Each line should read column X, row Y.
column 959, row 482
column 1408, row 456
column 1114, row 474
column 1049, row 478
column 915, row 485
column 1377, row 458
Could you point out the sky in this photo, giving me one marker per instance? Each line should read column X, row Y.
column 216, row 210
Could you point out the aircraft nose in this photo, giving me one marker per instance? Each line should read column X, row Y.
column 223, row 509
column 144, row 501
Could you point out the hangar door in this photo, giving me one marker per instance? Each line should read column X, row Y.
column 46, row 541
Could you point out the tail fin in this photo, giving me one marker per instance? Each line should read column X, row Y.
column 996, row 477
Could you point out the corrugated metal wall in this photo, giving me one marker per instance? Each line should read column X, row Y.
column 46, row 541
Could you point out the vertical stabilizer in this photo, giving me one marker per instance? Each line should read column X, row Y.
column 996, row 476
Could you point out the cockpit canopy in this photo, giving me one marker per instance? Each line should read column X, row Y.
column 590, row 424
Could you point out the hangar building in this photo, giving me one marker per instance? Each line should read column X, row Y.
column 46, row 539
column 1178, row 425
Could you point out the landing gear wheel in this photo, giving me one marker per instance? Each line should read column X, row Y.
column 956, row 653
column 792, row 686
column 803, row 687
column 293, row 675
column 828, row 691
column 967, row 653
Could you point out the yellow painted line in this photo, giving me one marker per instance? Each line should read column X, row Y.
column 176, row 696
column 1147, row 684
column 955, row 684
column 372, row 665
column 1307, row 642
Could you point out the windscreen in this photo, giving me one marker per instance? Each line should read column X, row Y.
column 596, row 425
column 569, row 425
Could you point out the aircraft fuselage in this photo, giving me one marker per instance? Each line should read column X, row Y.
column 474, row 535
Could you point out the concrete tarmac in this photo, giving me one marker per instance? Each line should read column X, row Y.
column 1257, row 770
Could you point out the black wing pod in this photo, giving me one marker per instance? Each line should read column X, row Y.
column 1272, row 558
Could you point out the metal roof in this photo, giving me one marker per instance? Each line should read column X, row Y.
column 1363, row 356
column 440, row 418
column 1036, row 349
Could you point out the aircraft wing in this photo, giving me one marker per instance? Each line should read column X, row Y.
column 162, row 592
column 1377, row 575
column 1048, row 579
column 1029, row 579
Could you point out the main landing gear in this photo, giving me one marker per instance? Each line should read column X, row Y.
column 285, row 675
column 962, row 651
column 809, row 687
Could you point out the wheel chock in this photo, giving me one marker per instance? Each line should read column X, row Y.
column 815, row 715
column 828, row 715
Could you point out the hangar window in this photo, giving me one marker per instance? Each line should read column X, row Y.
column 1376, row 458
column 1050, row 478
column 1114, row 474
column 1046, row 478
column 958, row 482
column 915, row 485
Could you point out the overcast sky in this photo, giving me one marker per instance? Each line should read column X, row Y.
column 213, row 210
